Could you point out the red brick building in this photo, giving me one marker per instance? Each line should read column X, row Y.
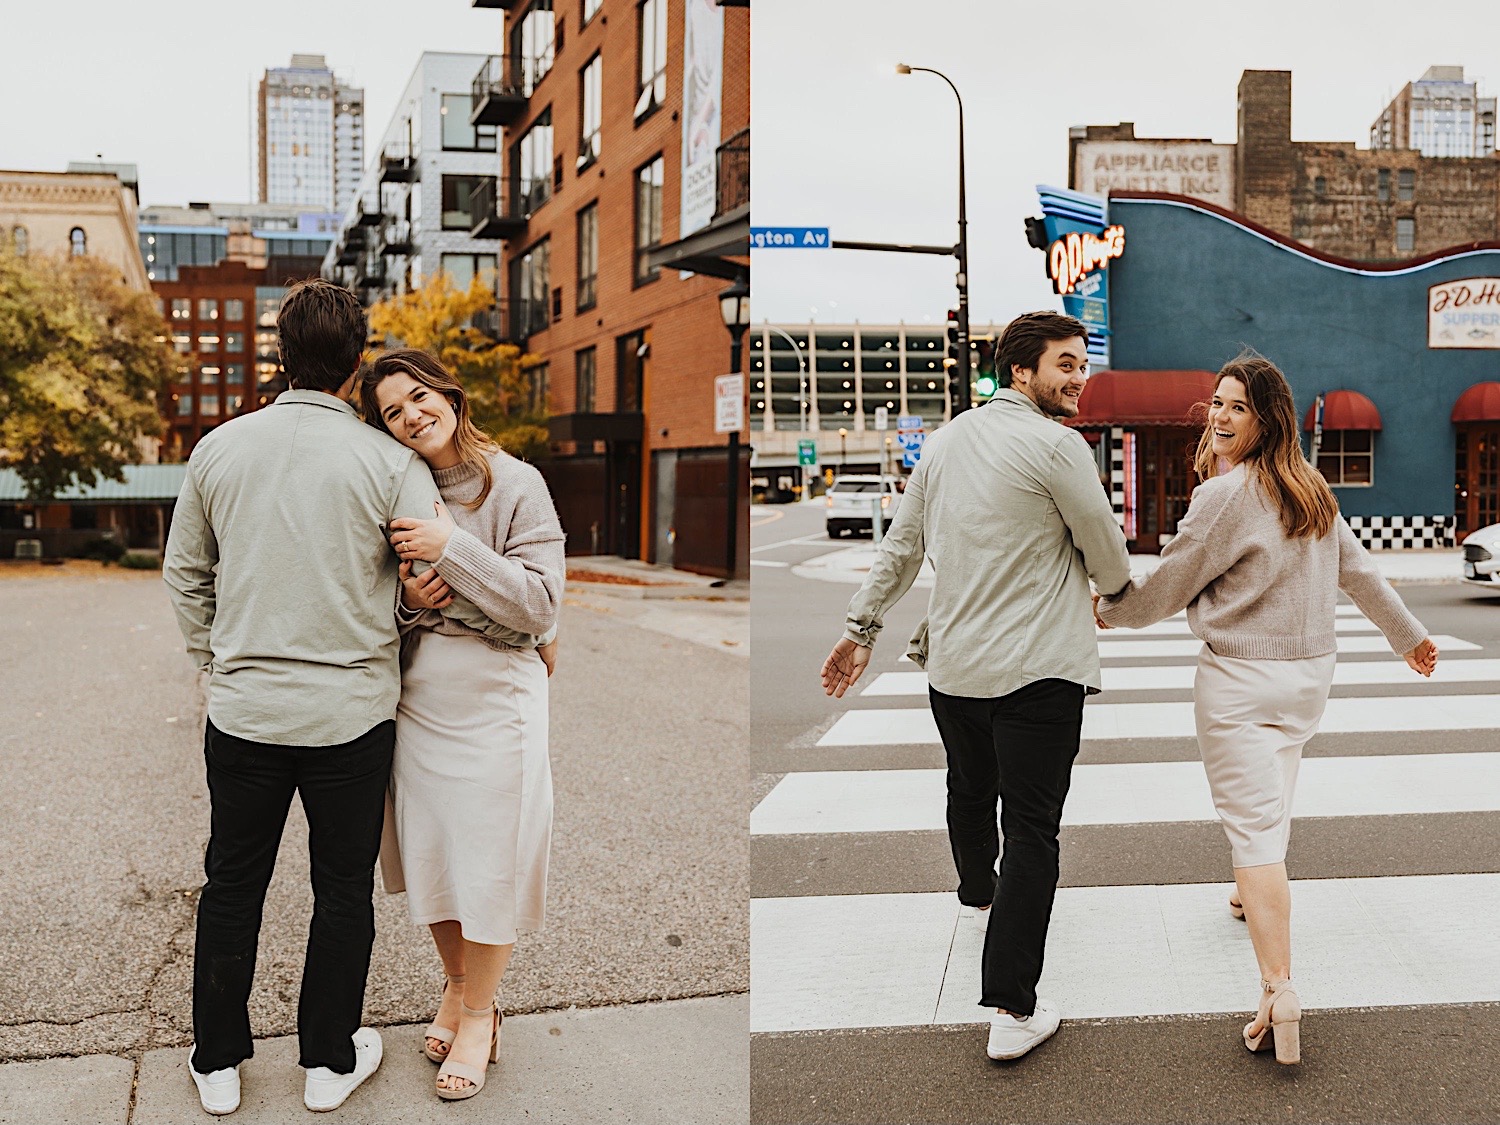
column 590, row 97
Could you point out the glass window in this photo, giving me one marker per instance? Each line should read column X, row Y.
column 1406, row 235
column 1406, row 182
column 208, row 308
column 182, row 308
column 208, row 343
column 1383, row 185
column 182, row 343
column 1347, row 457
column 588, row 256
column 653, row 52
column 590, row 100
column 531, row 165
column 532, row 45
column 584, row 379
column 648, row 188
column 184, row 405
column 232, row 403
column 208, row 375
column 266, row 309
column 456, row 193
column 209, row 405
column 458, row 134
column 78, row 242
column 234, row 374
column 463, row 268
column 540, row 387
column 1320, row 185
column 22, row 240
column 530, row 283
column 234, row 310
column 234, row 341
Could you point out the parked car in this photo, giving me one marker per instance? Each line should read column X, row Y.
column 1482, row 557
column 850, row 498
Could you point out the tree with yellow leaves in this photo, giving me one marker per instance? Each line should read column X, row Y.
column 437, row 318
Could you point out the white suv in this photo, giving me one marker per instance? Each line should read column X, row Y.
column 850, row 502
column 1482, row 557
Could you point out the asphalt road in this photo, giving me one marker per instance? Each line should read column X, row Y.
column 104, row 815
column 826, row 1052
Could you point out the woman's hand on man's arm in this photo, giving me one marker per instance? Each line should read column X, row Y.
column 424, row 591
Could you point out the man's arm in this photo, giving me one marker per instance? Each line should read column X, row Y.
column 189, row 570
column 1086, row 510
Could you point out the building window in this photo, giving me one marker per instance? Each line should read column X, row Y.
column 266, row 311
column 78, row 242
column 184, row 406
column 1406, row 235
column 652, row 91
column 161, row 306
column 530, row 283
column 462, row 269
column 234, row 374
column 588, row 256
column 531, row 165
column 182, row 308
column 648, row 187
column 585, row 375
column 209, row 405
column 182, row 343
column 232, row 403
column 590, row 101
column 1347, row 457
column 208, row 343
column 234, row 341
column 1320, row 185
column 208, row 375
column 208, row 308
column 1383, row 185
column 21, row 240
column 456, row 193
column 234, row 310
column 540, row 387
column 591, row 9
column 458, row 134
column 630, row 373
column 1406, row 182
column 532, row 45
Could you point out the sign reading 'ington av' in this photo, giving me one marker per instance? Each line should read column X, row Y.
column 1464, row 313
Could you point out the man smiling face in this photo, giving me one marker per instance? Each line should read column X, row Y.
column 1059, row 377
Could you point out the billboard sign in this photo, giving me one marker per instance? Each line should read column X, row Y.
column 702, row 105
column 1200, row 169
column 1078, row 243
column 1464, row 313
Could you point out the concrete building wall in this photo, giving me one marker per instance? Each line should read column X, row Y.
column 49, row 205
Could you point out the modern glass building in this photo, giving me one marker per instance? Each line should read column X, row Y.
column 311, row 132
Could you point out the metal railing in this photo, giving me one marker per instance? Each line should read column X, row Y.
column 395, row 237
column 733, row 173
column 527, row 315
column 499, row 75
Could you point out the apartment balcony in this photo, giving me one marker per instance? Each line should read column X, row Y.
column 733, row 173
column 494, row 324
column 499, row 93
column 348, row 254
column 493, row 216
column 370, row 273
column 368, row 214
column 398, row 164
column 396, row 239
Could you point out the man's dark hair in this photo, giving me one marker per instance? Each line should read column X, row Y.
column 1026, row 338
column 322, row 330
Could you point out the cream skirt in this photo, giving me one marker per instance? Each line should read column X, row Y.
column 469, row 815
column 1253, row 718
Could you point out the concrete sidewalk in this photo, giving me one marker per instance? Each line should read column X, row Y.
column 632, row 578
column 679, row 1061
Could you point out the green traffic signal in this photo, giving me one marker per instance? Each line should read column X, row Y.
column 985, row 386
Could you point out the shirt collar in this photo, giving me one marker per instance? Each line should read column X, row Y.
column 315, row 398
column 1010, row 394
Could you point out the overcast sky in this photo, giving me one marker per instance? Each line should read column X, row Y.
column 170, row 86
column 842, row 142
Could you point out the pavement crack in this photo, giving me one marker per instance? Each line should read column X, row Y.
column 188, row 897
column 70, row 1023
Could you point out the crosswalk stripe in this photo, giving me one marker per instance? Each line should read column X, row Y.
column 1179, row 677
column 907, row 959
column 1345, row 715
column 1136, row 793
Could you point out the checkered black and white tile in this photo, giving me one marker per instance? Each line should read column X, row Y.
column 1388, row 533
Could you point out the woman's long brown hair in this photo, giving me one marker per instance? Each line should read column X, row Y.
column 1303, row 499
column 474, row 445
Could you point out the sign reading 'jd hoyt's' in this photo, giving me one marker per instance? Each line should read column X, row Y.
column 1464, row 313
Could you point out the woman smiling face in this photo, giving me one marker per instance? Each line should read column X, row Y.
column 419, row 417
column 1235, row 430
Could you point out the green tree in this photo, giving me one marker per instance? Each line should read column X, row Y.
column 437, row 319
column 83, row 359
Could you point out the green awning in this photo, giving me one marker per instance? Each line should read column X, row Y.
column 142, row 484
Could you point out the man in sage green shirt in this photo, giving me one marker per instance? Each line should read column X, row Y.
column 1007, row 503
column 285, row 588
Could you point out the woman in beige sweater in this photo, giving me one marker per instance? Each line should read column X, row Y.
column 1258, row 561
column 471, row 784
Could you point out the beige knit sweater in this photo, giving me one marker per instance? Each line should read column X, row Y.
column 504, row 560
column 1253, row 592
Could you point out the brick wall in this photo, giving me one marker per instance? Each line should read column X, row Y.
column 1264, row 164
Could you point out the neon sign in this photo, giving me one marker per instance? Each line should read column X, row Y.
column 1075, row 255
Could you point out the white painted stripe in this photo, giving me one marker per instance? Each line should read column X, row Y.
column 1347, row 715
column 904, row 959
column 1179, row 677
column 1135, row 793
column 768, row 562
column 1189, row 646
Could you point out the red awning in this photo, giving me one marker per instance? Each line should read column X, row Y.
column 1344, row 410
column 1145, row 398
column 1480, row 403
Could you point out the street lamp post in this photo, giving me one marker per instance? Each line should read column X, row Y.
column 961, row 251
column 843, row 433
column 801, row 404
column 734, row 306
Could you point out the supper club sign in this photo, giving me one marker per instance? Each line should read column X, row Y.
column 1079, row 253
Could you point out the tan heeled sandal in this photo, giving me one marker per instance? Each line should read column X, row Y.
column 443, row 1035
column 1237, row 909
column 473, row 1074
column 1280, row 1017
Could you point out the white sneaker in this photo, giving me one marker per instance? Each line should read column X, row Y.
column 326, row 1089
column 980, row 919
column 1010, row 1038
column 218, row 1091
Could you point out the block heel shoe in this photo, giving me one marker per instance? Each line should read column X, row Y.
column 1279, row 1020
column 474, row 1074
column 443, row 1035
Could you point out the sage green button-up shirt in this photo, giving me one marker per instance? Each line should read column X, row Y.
column 1007, row 503
column 281, row 575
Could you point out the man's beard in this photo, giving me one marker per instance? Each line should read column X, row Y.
column 1055, row 404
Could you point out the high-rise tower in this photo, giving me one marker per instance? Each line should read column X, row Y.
column 311, row 135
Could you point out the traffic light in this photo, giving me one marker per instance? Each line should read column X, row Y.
column 951, row 360
column 986, row 383
column 1036, row 233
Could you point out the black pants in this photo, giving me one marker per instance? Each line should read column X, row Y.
column 1017, row 749
column 343, row 794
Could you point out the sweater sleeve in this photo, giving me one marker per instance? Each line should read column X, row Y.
column 520, row 588
column 1361, row 579
column 1196, row 556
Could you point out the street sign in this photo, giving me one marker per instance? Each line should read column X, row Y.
column 882, row 418
column 909, row 422
column 789, row 238
column 729, row 404
column 807, row 453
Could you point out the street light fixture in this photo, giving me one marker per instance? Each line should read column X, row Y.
column 802, row 403
column 843, row 433
column 962, row 400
